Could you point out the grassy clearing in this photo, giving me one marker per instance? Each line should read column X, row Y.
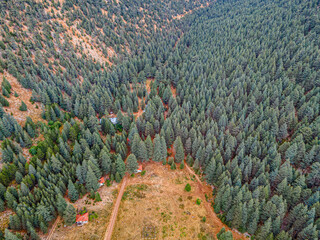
column 156, row 206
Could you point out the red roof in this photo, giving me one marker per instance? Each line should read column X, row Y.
column 82, row 218
column 101, row 180
column 140, row 168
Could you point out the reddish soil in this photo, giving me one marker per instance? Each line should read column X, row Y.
column 174, row 91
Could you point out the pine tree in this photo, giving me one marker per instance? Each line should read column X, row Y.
column 179, row 156
column 69, row 215
column 164, row 151
column 265, row 230
column 72, row 192
column 132, row 164
column 23, row 106
column 97, row 197
column 120, row 166
column 157, row 149
column 91, row 181
column 118, row 177
column 143, row 154
column 9, row 235
column 149, row 146
column 224, row 235
column 105, row 162
column 135, row 145
column 61, row 204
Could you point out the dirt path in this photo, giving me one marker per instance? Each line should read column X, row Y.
column 217, row 221
column 53, row 228
column 114, row 214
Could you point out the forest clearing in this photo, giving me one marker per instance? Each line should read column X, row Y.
column 157, row 204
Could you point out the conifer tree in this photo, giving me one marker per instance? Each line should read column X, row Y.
column 69, row 215
column 9, row 235
column 179, row 156
column 149, row 146
column 157, row 149
column 72, row 192
column 143, row 154
column 91, row 181
column 163, row 149
column 105, row 163
column 120, row 167
column 61, row 204
column 132, row 163
column 23, row 106
column 135, row 146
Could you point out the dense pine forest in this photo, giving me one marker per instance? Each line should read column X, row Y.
column 229, row 87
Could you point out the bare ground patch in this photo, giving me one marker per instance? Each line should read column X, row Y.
column 34, row 110
column 156, row 206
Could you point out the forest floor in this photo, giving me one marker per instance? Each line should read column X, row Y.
column 96, row 228
column 34, row 110
column 157, row 206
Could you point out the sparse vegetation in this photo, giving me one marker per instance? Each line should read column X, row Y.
column 188, row 187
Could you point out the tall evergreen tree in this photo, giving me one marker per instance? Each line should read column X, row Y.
column 132, row 164
column 69, row 215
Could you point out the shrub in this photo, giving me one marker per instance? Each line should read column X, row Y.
column 173, row 166
column 198, row 202
column 182, row 165
column 187, row 187
column 143, row 172
column 108, row 183
column 33, row 150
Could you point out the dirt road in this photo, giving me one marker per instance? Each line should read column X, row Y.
column 217, row 221
column 53, row 228
column 114, row 214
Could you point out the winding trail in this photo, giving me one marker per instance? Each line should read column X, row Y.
column 115, row 210
column 53, row 228
column 216, row 220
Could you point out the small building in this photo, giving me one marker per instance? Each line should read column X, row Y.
column 139, row 169
column 101, row 181
column 82, row 219
column 113, row 120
